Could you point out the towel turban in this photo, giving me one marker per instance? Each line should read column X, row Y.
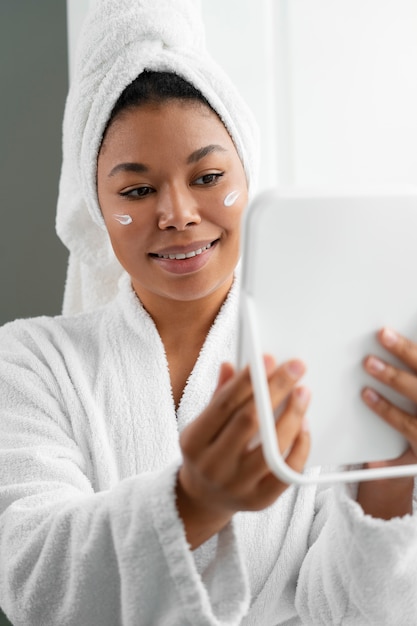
column 118, row 41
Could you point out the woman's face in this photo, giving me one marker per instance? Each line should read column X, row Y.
column 164, row 172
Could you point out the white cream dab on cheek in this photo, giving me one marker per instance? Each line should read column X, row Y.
column 125, row 220
column 231, row 198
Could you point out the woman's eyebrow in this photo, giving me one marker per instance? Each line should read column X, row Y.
column 202, row 152
column 138, row 168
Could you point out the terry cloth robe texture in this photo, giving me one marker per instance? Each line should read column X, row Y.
column 89, row 532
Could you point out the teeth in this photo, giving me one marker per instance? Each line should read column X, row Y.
column 181, row 255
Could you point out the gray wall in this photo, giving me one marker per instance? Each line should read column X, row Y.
column 33, row 86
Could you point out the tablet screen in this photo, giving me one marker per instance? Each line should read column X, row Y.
column 325, row 273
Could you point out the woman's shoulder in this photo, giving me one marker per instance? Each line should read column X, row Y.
column 59, row 329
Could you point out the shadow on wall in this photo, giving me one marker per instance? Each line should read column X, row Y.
column 34, row 79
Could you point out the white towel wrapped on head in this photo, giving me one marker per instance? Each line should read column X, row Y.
column 119, row 40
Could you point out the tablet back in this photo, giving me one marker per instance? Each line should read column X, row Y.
column 324, row 273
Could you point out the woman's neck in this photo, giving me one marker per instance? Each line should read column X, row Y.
column 183, row 327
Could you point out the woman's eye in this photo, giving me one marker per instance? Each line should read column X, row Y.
column 208, row 179
column 137, row 192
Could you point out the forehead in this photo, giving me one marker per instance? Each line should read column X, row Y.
column 175, row 125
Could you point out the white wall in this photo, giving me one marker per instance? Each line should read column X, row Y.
column 76, row 11
column 354, row 90
column 333, row 84
column 240, row 37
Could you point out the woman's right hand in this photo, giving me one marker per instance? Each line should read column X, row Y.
column 221, row 474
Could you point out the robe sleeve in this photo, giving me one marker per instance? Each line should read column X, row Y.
column 359, row 569
column 70, row 555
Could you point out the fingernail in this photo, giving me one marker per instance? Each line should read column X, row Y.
column 295, row 369
column 389, row 337
column 302, row 396
column 371, row 396
column 269, row 363
column 374, row 365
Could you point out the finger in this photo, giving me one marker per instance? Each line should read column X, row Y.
column 291, row 421
column 402, row 421
column 226, row 400
column 226, row 373
column 282, row 380
column 400, row 346
column 227, row 448
column 238, row 432
column 239, row 390
column 406, row 458
column 288, row 428
column 299, row 452
column 270, row 487
column 229, row 398
column 400, row 380
column 234, row 438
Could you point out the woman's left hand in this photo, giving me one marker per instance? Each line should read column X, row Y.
column 389, row 498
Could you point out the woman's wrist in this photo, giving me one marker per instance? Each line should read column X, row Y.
column 200, row 521
column 386, row 499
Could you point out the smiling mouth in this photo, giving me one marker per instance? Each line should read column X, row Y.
column 184, row 255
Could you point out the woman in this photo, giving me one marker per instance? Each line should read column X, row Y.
column 128, row 494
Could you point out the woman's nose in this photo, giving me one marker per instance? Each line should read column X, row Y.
column 177, row 209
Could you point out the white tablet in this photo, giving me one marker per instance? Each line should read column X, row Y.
column 321, row 274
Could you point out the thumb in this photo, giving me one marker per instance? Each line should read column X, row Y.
column 227, row 371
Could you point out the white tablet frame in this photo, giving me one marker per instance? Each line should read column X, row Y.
column 251, row 349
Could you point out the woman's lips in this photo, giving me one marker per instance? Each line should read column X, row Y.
column 179, row 256
column 186, row 260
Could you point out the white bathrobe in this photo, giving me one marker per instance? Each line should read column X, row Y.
column 89, row 532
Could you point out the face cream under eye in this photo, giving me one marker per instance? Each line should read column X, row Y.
column 124, row 220
column 231, row 198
